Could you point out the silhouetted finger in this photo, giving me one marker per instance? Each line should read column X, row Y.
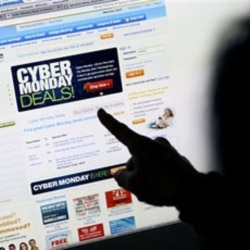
column 122, row 177
column 124, row 134
column 131, row 182
column 162, row 141
column 130, row 164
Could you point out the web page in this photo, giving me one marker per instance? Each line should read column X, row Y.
column 57, row 69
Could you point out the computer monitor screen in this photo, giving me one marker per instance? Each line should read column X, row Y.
column 60, row 61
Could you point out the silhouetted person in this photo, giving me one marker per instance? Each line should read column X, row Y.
column 214, row 203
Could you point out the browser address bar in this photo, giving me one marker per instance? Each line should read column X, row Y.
column 57, row 48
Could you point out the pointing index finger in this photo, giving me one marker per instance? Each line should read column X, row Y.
column 119, row 130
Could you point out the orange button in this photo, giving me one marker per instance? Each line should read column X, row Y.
column 137, row 121
column 135, row 73
column 106, row 36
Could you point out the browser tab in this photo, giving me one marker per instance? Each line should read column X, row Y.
column 81, row 3
column 35, row 11
column 26, row 6
column 41, row 4
column 10, row 2
column 59, row 1
column 29, row 8
column 8, row 10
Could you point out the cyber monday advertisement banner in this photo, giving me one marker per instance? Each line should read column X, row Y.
column 66, row 79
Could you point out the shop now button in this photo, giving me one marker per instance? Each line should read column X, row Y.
column 100, row 85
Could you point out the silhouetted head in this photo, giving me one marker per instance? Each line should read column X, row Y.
column 232, row 98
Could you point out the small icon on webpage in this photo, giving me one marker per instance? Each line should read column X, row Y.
column 1, row 57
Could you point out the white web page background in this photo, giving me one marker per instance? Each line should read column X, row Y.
column 61, row 150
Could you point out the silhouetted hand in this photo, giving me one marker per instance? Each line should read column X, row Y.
column 155, row 170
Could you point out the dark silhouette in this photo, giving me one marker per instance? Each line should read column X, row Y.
column 214, row 203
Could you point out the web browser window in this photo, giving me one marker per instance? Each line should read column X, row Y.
column 60, row 61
